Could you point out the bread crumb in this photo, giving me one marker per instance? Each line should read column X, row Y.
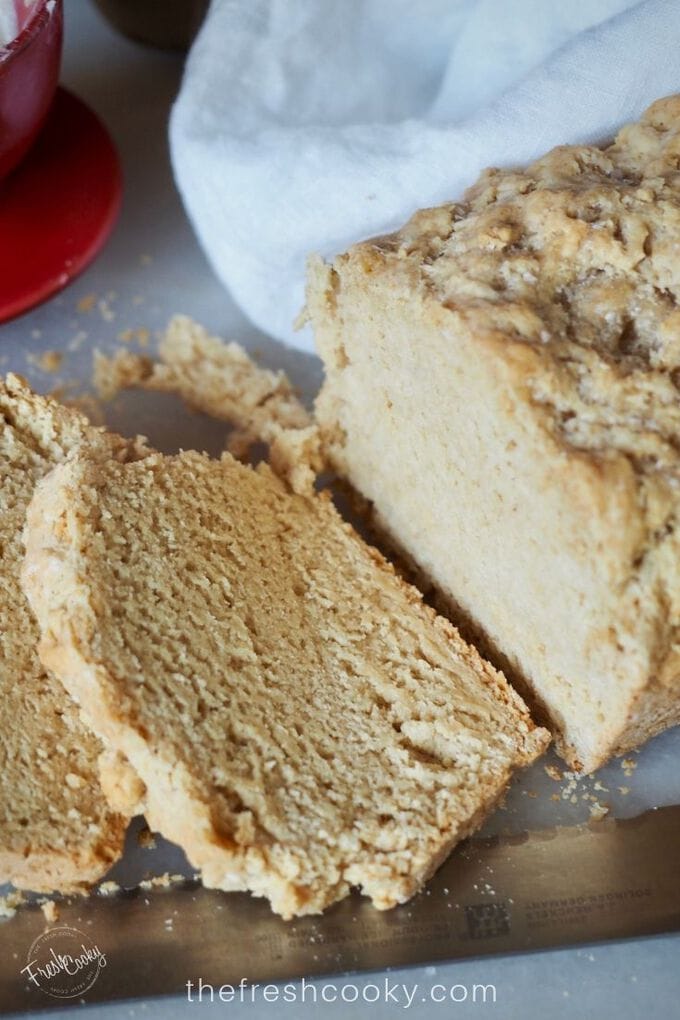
column 161, row 881
column 554, row 772
column 48, row 361
column 10, row 903
column 86, row 303
column 50, row 911
column 140, row 336
column 105, row 310
column 624, row 790
column 108, row 888
column 77, row 341
column 598, row 811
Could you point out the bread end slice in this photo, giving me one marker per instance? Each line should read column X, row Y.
column 57, row 832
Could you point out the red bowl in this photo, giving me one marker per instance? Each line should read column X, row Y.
column 29, row 71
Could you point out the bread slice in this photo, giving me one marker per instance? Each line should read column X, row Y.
column 56, row 829
column 302, row 722
column 502, row 383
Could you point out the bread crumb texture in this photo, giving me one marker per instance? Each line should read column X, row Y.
column 503, row 382
column 221, row 380
column 56, row 829
column 301, row 721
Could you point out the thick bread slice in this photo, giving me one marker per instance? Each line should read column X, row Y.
column 502, row 382
column 302, row 722
column 56, row 829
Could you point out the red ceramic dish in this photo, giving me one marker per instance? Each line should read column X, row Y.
column 58, row 208
column 29, row 70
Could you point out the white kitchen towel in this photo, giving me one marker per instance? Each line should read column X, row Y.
column 304, row 125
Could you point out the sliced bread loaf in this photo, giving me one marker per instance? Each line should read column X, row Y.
column 502, row 383
column 302, row 722
column 56, row 830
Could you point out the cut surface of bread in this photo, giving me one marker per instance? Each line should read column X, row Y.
column 301, row 721
column 56, row 829
column 502, row 384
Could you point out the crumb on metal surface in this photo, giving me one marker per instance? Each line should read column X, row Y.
column 108, row 889
column 48, row 361
column 50, row 911
column 10, row 903
column 161, row 881
column 86, row 303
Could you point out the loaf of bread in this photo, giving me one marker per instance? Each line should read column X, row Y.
column 503, row 384
column 302, row 722
column 56, row 830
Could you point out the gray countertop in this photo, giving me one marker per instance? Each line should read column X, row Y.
column 151, row 268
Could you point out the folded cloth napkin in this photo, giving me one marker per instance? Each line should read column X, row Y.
column 304, row 125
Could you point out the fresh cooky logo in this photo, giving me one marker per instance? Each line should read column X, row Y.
column 63, row 962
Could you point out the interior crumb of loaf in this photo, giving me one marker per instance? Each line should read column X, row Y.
column 302, row 722
column 220, row 379
column 122, row 787
column 56, row 830
column 577, row 256
column 502, row 382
